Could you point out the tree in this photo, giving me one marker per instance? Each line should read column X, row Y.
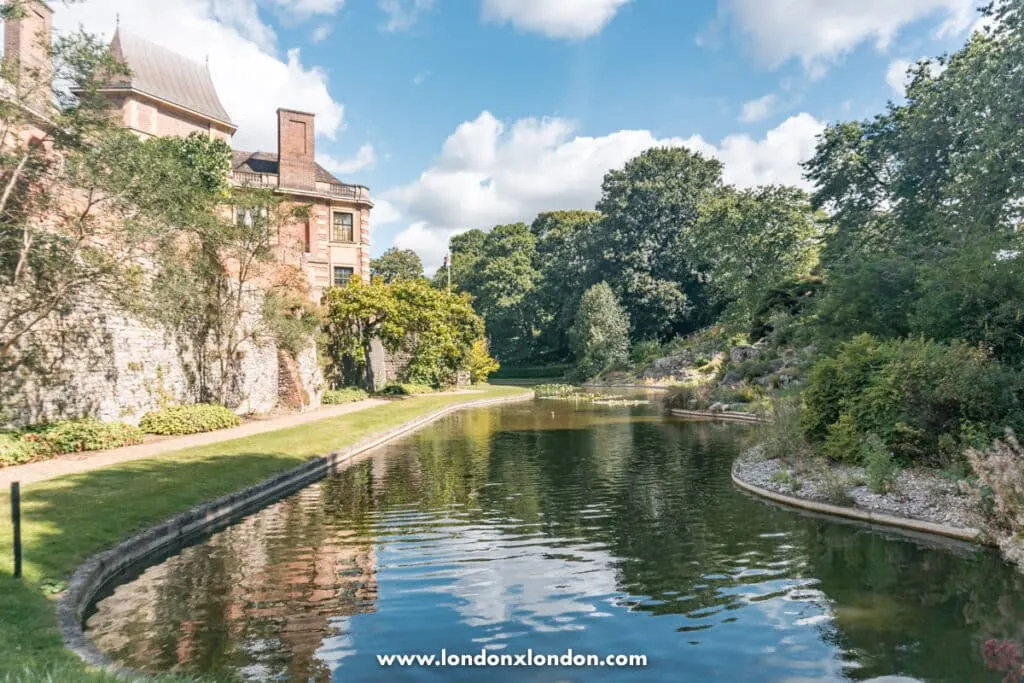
column 438, row 328
column 644, row 246
column 397, row 264
column 466, row 249
column 756, row 239
column 70, row 208
column 599, row 335
column 481, row 364
column 563, row 273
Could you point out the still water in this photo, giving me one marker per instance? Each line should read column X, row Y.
column 550, row 526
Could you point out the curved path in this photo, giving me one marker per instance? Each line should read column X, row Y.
column 83, row 462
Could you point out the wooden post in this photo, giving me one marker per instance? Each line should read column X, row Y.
column 16, row 521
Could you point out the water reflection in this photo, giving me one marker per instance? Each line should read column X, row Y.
column 549, row 526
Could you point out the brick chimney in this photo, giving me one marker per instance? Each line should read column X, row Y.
column 295, row 150
column 27, row 52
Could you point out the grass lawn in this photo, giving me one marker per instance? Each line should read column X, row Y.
column 66, row 520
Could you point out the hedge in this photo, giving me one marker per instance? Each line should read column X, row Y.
column 44, row 441
column 175, row 420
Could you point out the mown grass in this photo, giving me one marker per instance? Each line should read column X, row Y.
column 66, row 520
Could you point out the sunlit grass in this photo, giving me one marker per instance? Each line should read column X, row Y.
column 66, row 520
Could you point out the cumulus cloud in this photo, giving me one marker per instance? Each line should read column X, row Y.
column 817, row 33
column 898, row 75
column 364, row 158
column 775, row 158
column 573, row 19
column 758, row 109
column 252, row 78
column 402, row 14
column 490, row 173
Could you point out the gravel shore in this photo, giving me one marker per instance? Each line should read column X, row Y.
column 917, row 494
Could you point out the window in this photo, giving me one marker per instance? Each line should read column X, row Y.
column 342, row 228
column 343, row 275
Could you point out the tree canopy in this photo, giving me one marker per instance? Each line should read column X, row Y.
column 397, row 264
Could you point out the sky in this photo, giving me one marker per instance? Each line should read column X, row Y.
column 461, row 114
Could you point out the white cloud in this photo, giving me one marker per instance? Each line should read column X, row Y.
column 402, row 14
column 364, row 158
column 384, row 213
column 490, row 173
column 774, row 159
column 898, row 77
column 320, row 33
column 309, row 7
column 755, row 110
column 252, row 80
column 561, row 19
column 817, row 33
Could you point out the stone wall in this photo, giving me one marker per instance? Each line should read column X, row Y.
column 101, row 362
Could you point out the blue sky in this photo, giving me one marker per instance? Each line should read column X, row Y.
column 461, row 114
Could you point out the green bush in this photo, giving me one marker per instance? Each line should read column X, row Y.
column 879, row 463
column 781, row 435
column 192, row 419
column 689, row 397
column 741, row 393
column 842, row 443
column 921, row 398
column 642, row 353
column 751, row 369
column 406, row 389
column 65, row 436
column 333, row 397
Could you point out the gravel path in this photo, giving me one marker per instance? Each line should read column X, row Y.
column 91, row 460
column 918, row 494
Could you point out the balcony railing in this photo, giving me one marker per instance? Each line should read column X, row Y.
column 342, row 190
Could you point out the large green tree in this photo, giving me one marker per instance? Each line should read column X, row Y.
column 644, row 248
column 753, row 240
column 928, row 191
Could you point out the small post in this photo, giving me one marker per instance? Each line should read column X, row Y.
column 16, row 521
column 448, row 267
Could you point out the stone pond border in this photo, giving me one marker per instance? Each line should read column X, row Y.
column 853, row 513
column 99, row 571
column 860, row 514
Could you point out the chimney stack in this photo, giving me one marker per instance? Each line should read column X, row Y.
column 295, row 150
column 27, row 54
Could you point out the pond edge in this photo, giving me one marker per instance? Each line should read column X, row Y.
column 876, row 518
column 95, row 573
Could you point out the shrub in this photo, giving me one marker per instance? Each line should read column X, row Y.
column 73, row 436
column 911, row 393
column 1000, row 494
column 642, row 353
column 835, row 486
column 751, row 369
column 193, row 419
column 406, row 389
column 65, row 436
column 689, row 397
column 780, row 433
column 879, row 463
column 333, row 397
column 14, row 451
column 480, row 363
column 842, row 443
column 741, row 393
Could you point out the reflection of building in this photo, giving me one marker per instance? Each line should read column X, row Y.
column 167, row 94
column 270, row 589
